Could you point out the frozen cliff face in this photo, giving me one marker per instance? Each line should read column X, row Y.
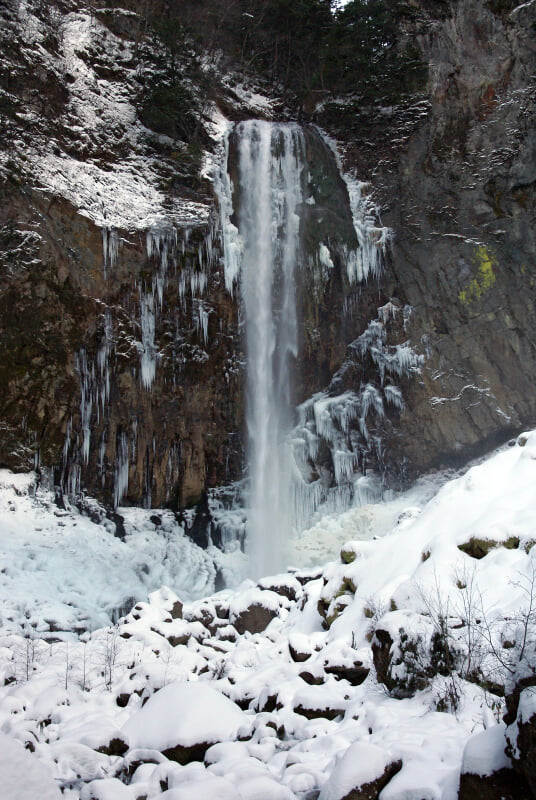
column 121, row 349
column 454, row 171
column 117, row 370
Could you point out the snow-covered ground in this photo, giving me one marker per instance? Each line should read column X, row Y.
column 180, row 702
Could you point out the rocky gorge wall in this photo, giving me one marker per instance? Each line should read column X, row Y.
column 121, row 363
column 454, row 173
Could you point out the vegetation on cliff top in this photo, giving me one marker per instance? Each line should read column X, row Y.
column 307, row 50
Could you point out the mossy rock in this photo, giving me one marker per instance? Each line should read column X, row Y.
column 348, row 586
column 337, row 606
column 348, row 555
column 479, row 548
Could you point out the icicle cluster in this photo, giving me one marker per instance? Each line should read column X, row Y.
column 332, row 436
column 94, row 376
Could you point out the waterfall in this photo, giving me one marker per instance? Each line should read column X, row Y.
column 286, row 211
column 269, row 193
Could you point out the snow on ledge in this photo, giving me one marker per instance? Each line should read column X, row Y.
column 125, row 198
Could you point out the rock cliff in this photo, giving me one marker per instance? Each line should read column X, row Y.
column 121, row 363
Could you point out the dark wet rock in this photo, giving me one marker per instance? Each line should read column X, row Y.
column 296, row 655
column 354, row 674
column 288, row 587
column 371, row 791
column 324, row 712
column 253, row 619
column 311, row 679
column 382, row 644
column 505, row 784
column 117, row 746
column 176, row 610
column 521, row 733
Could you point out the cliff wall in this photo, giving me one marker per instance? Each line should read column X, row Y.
column 121, row 363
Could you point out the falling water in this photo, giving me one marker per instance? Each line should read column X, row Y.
column 268, row 198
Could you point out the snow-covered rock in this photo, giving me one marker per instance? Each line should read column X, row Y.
column 184, row 719
column 484, row 752
column 360, row 773
column 23, row 776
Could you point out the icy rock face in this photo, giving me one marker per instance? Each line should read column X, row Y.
column 120, row 352
column 107, row 333
column 454, row 170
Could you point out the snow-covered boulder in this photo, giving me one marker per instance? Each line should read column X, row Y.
column 327, row 701
column 521, row 738
column 487, row 772
column 183, row 720
column 300, row 647
column 167, row 599
column 360, row 773
column 22, row 775
column 106, row 789
column 253, row 611
column 286, row 585
column 404, row 653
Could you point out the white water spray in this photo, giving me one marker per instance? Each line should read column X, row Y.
column 270, row 191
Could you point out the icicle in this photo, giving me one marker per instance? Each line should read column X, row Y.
column 232, row 242
column 121, row 469
column 110, row 247
column 202, row 312
column 87, row 377
column 148, row 351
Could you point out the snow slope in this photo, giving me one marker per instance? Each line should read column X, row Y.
column 317, row 718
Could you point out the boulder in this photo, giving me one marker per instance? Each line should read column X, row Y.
column 287, row 586
column 354, row 674
column 183, row 719
column 299, row 646
column 487, row 772
column 360, row 773
column 382, row 644
column 253, row 611
column 521, row 738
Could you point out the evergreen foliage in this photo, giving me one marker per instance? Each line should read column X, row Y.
column 309, row 50
column 171, row 102
column 309, row 46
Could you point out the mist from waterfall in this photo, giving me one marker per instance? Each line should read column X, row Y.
column 267, row 200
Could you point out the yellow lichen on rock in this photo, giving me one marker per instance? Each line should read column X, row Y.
column 484, row 279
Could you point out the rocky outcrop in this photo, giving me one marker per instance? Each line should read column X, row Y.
column 521, row 731
column 456, row 183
